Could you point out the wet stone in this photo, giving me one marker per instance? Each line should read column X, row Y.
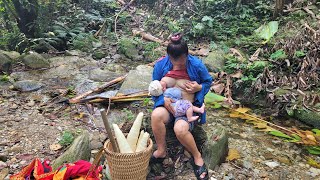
column 27, row 85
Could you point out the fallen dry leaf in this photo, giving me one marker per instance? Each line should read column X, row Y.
column 242, row 110
column 237, row 74
column 255, row 55
column 55, row 147
column 233, row 154
column 218, row 88
column 4, row 172
column 313, row 162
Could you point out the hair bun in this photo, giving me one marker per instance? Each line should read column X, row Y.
column 176, row 38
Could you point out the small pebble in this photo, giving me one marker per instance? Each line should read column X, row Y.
column 272, row 164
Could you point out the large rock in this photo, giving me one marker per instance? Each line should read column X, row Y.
column 79, row 149
column 99, row 54
column 129, row 48
column 114, row 67
column 28, row 85
column 215, row 61
column 35, row 61
column 307, row 116
column 5, row 63
column 137, row 80
column 102, row 75
column 215, row 149
column 13, row 55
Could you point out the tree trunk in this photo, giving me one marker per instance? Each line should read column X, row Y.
column 278, row 8
column 28, row 13
column 238, row 4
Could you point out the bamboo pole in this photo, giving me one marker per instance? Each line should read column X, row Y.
column 78, row 98
column 109, row 132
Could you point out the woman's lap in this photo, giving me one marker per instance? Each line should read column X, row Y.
column 173, row 120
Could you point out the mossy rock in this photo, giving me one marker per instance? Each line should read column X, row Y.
column 215, row 149
column 307, row 116
column 13, row 55
column 5, row 64
column 129, row 48
column 79, row 149
column 215, row 61
column 99, row 54
column 35, row 61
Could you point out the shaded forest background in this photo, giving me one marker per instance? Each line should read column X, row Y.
column 269, row 49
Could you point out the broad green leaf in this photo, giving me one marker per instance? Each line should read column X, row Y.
column 279, row 54
column 292, row 140
column 316, row 131
column 267, row 31
column 295, row 136
column 199, row 26
column 213, row 97
column 208, row 20
column 216, row 105
column 299, row 54
column 280, row 134
column 314, row 150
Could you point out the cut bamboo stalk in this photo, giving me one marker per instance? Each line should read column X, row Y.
column 109, row 132
column 133, row 135
column 121, row 139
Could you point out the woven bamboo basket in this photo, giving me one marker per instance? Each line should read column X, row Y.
column 128, row 165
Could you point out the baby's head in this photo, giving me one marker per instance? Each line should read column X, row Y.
column 156, row 88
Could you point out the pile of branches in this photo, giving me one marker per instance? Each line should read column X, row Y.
column 297, row 74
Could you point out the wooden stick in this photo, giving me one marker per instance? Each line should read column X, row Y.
column 310, row 28
column 116, row 19
column 309, row 12
column 78, row 98
column 121, row 2
column 109, row 132
column 105, row 21
column 130, row 96
column 152, row 38
column 101, row 28
column 119, row 98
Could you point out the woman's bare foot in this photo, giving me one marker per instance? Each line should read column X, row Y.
column 158, row 154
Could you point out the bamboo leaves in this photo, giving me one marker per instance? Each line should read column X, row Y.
column 310, row 139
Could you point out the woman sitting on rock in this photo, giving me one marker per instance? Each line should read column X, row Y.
column 192, row 77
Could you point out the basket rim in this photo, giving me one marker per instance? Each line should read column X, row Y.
column 149, row 147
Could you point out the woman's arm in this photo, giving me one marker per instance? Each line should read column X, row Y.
column 205, row 82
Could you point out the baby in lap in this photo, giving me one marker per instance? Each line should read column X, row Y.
column 181, row 107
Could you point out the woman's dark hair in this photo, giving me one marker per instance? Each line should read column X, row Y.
column 177, row 46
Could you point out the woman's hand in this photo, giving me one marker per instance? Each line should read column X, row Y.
column 192, row 87
column 168, row 106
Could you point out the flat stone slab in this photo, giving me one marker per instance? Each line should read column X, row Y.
column 28, row 85
column 137, row 80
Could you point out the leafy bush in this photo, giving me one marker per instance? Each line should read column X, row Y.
column 66, row 138
column 250, row 70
